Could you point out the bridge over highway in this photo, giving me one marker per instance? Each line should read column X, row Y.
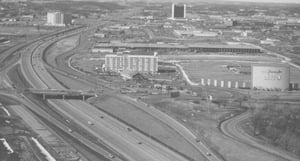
column 61, row 94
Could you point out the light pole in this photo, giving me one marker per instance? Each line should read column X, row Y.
column 209, row 99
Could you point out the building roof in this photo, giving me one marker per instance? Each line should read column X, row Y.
column 180, row 46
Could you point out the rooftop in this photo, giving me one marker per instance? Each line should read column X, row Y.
column 175, row 45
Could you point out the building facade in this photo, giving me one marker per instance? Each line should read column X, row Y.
column 178, row 11
column 270, row 77
column 56, row 18
column 133, row 63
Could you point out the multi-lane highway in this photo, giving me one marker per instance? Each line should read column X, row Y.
column 130, row 144
column 184, row 132
column 134, row 145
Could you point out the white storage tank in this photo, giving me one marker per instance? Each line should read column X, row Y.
column 270, row 77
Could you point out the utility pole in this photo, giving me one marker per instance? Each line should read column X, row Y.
column 208, row 101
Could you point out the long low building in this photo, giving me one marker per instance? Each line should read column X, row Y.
column 196, row 47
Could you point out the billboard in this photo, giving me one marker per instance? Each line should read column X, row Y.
column 270, row 77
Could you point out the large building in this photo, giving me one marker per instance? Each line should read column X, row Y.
column 132, row 63
column 195, row 33
column 67, row 19
column 56, row 18
column 193, row 47
column 178, row 11
column 275, row 77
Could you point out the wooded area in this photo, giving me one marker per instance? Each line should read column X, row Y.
column 279, row 125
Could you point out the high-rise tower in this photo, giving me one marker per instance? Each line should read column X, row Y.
column 178, row 11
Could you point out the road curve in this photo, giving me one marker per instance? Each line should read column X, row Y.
column 232, row 129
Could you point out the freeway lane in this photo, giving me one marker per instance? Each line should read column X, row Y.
column 40, row 78
column 112, row 133
column 232, row 129
column 191, row 138
column 183, row 131
column 36, row 109
column 121, row 128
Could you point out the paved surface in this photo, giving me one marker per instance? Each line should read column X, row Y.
column 178, row 127
column 185, row 132
column 134, row 146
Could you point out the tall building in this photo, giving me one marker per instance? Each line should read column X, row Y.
column 178, row 11
column 56, row 18
column 133, row 63
column 67, row 19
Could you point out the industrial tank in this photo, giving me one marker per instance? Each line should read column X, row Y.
column 272, row 77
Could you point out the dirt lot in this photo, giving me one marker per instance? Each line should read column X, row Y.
column 88, row 62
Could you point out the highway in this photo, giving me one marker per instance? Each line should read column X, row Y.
column 232, row 129
column 178, row 127
column 133, row 146
column 190, row 137
column 58, row 123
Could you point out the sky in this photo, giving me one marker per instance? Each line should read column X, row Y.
column 274, row 1
column 270, row 1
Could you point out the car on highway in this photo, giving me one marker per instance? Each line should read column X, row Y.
column 70, row 130
column 208, row 154
column 90, row 123
column 111, row 156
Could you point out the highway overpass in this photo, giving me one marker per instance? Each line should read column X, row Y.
column 61, row 94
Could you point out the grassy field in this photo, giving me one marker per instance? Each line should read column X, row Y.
column 204, row 123
column 216, row 68
column 212, row 70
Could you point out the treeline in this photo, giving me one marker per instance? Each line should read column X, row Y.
column 280, row 125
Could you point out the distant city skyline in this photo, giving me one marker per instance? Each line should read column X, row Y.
column 187, row 1
column 269, row 1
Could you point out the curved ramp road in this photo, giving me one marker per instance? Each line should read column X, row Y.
column 232, row 129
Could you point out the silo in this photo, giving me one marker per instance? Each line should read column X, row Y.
column 270, row 77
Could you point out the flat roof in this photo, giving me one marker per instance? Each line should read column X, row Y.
column 277, row 65
column 180, row 46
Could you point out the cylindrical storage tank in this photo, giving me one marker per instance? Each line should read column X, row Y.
column 275, row 77
column 202, row 82
column 236, row 85
column 208, row 82
column 222, row 83
column 244, row 84
column 229, row 84
column 215, row 83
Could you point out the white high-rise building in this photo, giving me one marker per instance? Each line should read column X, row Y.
column 55, row 19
